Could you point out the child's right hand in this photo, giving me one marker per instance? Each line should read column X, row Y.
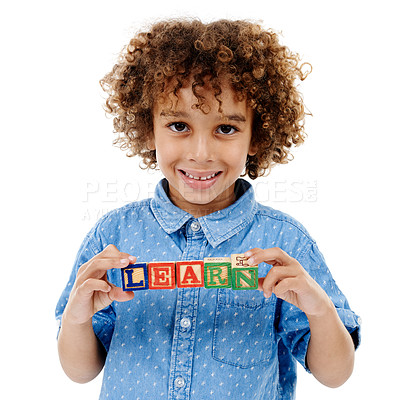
column 92, row 292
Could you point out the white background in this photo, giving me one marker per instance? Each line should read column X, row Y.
column 60, row 171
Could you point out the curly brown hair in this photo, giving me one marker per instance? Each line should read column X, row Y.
column 259, row 69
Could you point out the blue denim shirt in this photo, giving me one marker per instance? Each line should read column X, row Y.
column 197, row 343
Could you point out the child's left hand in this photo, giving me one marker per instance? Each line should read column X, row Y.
column 289, row 281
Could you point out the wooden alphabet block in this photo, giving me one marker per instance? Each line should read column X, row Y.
column 217, row 272
column 135, row 277
column 239, row 261
column 190, row 273
column 161, row 275
column 244, row 275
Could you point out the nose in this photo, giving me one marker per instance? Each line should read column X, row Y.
column 201, row 148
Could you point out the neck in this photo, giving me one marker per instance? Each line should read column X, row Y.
column 200, row 210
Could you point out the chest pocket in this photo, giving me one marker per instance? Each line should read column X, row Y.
column 244, row 334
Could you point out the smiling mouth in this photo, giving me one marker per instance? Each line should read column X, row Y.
column 200, row 178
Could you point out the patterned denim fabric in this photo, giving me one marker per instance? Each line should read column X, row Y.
column 198, row 343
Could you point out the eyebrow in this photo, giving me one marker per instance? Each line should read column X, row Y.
column 235, row 117
column 177, row 114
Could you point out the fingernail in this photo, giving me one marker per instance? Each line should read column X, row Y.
column 131, row 258
column 266, row 295
column 123, row 261
column 251, row 260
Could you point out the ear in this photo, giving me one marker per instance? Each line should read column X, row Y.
column 151, row 143
column 252, row 150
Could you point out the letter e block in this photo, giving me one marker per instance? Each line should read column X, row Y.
column 190, row 274
column 161, row 275
column 244, row 275
column 217, row 272
column 135, row 277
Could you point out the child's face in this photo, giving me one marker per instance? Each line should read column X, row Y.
column 202, row 155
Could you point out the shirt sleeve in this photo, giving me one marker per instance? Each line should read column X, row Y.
column 293, row 327
column 104, row 320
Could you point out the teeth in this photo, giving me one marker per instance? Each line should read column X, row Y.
column 200, row 178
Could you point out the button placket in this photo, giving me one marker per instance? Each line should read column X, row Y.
column 185, row 322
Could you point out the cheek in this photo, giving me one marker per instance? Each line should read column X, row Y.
column 237, row 156
column 165, row 152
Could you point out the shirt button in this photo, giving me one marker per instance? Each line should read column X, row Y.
column 195, row 226
column 179, row 382
column 185, row 323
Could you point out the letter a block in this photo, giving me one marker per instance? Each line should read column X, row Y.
column 244, row 276
column 161, row 275
column 190, row 274
column 217, row 272
column 135, row 277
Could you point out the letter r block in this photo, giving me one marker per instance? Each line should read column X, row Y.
column 135, row 277
column 217, row 272
column 161, row 275
column 244, row 275
column 190, row 274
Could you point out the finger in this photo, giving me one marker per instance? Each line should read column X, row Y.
column 98, row 267
column 265, row 287
column 272, row 256
column 111, row 251
column 252, row 252
column 87, row 288
column 267, row 293
column 267, row 290
column 284, row 286
column 117, row 294
column 274, row 276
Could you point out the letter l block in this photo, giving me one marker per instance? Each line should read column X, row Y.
column 135, row 277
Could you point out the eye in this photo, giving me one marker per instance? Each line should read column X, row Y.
column 226, row 129
column 178, row 127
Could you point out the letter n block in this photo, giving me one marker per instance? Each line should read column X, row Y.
column 190, row 274
column 217, row 272
column 161, row 275
column 244, row 275
column 135, row 277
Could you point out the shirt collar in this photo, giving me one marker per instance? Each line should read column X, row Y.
column 218, row 226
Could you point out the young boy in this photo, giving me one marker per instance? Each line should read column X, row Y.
column 205, row 102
